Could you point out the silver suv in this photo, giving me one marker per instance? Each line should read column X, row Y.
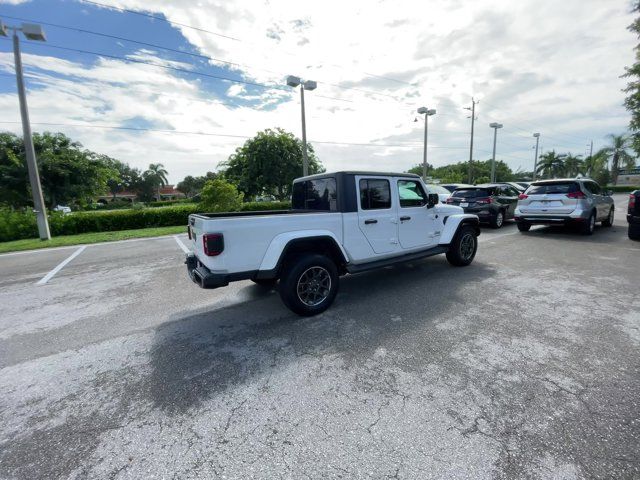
column 578, row 201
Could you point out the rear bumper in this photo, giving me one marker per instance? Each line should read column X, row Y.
column 205, row 278
column 544, row 220
column 633, row 219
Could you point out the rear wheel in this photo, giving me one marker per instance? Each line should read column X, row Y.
column 589, row 227
column 265, row 282
column 309, row 284
column 634, row 232
column 609, row 220
column 463, row 248
column 524, row 226
column 498, row 220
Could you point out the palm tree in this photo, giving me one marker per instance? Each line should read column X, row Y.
column 551, row 165
column 158, row 173
column 594, row 164
column 572, row 165
column 618, row 152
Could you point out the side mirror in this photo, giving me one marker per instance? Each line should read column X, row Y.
column 432, row 200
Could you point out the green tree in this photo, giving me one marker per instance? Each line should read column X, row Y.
column 618, row 152
column 268, row 164
column 220, row 196
column 191, row 186
column 632, row 101
column 157, row 175
column 123, row 178
column 551, row 165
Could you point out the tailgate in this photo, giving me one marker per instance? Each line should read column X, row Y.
column 548, row 204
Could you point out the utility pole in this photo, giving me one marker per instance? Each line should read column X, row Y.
column 473, row 119
column 294, row 81
column 591, row 150
column 495, row 127
column 32, row 32
column 427, row 113
column 535, row 159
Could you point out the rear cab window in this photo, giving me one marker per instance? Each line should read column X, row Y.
column 375, row 194
column 319, row 194
column 553, row 188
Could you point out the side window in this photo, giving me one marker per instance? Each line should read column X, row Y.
column 513, row 192
column 375, row 194
column 411, row 194
column 317, row 194
column 593, row 187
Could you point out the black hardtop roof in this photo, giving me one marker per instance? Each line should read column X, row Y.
column 356, row 172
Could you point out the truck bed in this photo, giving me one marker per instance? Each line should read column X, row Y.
column 252, row 214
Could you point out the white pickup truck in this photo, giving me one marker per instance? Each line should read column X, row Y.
column 344, row 222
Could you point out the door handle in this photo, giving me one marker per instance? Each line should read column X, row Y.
column 370, row 221
column 402, row 219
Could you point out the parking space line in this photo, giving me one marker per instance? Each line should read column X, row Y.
column 181, row 245
column 60, row 266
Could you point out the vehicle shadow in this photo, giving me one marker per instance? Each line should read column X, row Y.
column 209, row 352
column 602, row 235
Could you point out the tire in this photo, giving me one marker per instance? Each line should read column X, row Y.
column 634, row 232
column 609, row 220
column 590, row 225
column 265, row 282
column 524, row 226
column 309, row 284
column 461, row 253
column 498, row 220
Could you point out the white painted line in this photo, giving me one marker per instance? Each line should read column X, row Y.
column 181, row 245
column 50, row 275
column 488, row 238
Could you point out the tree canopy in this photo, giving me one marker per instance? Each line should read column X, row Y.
column 268, row 164
column 632, row 101
column 458, row 172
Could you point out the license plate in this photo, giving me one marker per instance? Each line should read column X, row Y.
column 465, row 204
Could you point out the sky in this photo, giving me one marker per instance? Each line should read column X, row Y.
column 185, row 83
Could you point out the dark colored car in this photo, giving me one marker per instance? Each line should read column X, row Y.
column 492, row 203
column 633, row 215
column 452, row 186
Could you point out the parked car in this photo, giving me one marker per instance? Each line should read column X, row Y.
column 524, row 185
column 492, row 203
column 62, row 208
column 515, row 185
column 633, row 215
column 452, row 186
column 442, row 192
column 345, row 222
column 576, row 201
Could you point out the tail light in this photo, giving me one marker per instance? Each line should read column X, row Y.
column 632, row 201
column 522, row 196
column 484, row 201
column 576, row 195
column 213, row 244
column 449, row 200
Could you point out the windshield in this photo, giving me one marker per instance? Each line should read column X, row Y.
column 471, row 193
column 437, row 189
column 551, row 188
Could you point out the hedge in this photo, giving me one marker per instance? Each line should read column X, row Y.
column 16, row 225
column 621, row 188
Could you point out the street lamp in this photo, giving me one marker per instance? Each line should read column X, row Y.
column 535, row 159
column 294, row 81
column 31, row 32
column 495, row 127
column 427, row 113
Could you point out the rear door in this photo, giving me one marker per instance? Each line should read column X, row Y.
column 551, row 198
column 602, row 206
column 417, row 223
column 508, row 196
column 377, row 213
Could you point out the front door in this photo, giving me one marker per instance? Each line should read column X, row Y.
column 377, row 214
column 416, row 227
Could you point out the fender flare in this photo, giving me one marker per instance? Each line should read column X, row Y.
column 278, row 247
column 454, row 223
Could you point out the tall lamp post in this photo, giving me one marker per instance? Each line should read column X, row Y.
column 535, row 159
column 31, row 32
column 495, row 127
column 427, row 113
column 293, row 81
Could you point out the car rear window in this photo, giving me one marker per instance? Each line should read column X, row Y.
column 471, row 193
column 551, row 188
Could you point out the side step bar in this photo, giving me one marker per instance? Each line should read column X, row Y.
column 363, row 267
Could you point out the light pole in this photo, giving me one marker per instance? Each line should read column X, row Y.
column 495, row 127
column 535, row 159
column 472, row 108
column 32, row 32
column 293, row 81
column 427, row 113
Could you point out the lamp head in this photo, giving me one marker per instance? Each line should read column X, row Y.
column 33, row 32
column 293, row 81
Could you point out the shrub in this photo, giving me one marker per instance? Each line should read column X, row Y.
column 621, row 188
column 261, row 206
column 15, row 225
column 220, row 196
column 167, row 203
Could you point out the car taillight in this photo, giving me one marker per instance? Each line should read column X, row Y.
column 632, row 201
column 576, row 195
column 213, row 244
column 449, row 200
column 483, row 201
column 522, row 196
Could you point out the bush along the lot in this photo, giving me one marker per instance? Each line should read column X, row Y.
column 16, row 225
column 622, row 188
column 262, row 206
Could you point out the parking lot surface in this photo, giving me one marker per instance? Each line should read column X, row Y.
column 523, row 365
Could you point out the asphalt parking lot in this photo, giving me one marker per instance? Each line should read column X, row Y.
column 523, row 365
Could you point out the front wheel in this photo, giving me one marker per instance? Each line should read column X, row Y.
column 463, row 248
column 309, row 284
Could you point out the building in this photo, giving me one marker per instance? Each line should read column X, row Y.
column 629, row 177
column 168, row 192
